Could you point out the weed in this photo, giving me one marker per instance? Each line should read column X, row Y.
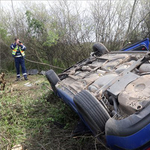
column 36, row 118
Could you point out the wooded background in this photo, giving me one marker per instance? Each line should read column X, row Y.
column 61, row 33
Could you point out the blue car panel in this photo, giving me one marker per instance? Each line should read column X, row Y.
column 131, row 142
column 67, row 99
column 139, row 46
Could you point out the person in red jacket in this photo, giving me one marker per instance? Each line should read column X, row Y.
column 18, row 53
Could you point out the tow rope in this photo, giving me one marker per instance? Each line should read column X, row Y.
column 44, row 64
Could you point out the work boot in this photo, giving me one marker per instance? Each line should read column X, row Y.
column 25, row 77
column 18, row 79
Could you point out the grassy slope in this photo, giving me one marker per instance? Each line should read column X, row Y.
column 34, row 117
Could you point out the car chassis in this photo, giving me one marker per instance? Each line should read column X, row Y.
column 110, row 93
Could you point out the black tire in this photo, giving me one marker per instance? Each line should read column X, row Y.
column 92, row 111
column 53, row 79
column 100, row 49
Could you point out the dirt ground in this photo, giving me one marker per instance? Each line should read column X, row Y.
column 32, row 116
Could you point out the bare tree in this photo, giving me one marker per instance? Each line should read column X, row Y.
column 64, row 31
column 16, row 25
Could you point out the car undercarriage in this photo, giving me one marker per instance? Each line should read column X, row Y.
column 110, row 93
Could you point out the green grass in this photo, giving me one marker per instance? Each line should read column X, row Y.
column 36, row 118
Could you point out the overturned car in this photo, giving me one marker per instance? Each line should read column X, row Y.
column 110, row 91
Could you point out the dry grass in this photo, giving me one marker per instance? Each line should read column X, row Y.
column 35, row 118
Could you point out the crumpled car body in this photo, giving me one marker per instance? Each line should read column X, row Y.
column 111, row 94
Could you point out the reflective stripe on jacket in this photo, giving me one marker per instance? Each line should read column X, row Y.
column 15, row 50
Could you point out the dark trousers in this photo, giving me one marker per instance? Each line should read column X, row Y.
column 20, row 61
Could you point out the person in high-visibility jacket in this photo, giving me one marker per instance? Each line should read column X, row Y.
column 18, row 53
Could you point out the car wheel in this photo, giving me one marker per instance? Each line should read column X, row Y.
column 53, row 79
column 99, row 49
column 92, row 111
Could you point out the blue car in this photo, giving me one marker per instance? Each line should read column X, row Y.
column 139, row 46
column 110, row 91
